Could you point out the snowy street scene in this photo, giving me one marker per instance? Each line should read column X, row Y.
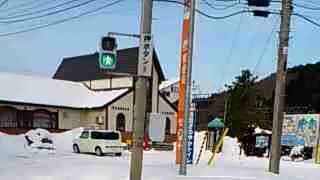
column 20, row 162
column 159, row 90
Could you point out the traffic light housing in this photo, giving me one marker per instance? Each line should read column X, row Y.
column 108, row 43
column 261, row 13
column 108, row 53
column 259, row 7
column 259, row 3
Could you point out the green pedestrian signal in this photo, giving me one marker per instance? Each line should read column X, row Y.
column 107, row 60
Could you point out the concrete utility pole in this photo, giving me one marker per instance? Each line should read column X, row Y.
column 279, row 99
column 183, row 164
column 140, row 98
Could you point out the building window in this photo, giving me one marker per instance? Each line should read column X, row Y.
column 44, row 119
column 121, row 122
column 168, row 126
column 8, row 117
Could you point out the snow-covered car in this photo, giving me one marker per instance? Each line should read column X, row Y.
column 99, row 142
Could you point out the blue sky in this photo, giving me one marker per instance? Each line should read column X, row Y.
column 41, row 51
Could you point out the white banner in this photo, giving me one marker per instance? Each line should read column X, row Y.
column 157, row 125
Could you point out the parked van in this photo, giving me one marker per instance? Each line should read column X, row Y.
column 99, row 142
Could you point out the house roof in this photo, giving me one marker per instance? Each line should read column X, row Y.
column 168, row 83
column 86, row 67
column 44, row 91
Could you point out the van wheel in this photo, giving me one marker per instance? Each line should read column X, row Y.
column 98, row 151
column 76, row 148
column 118, row 154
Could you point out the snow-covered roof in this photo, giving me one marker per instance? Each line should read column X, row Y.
column 258, row 130
column 168, row 83
column 46, row 91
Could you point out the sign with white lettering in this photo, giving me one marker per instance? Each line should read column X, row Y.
column 190, row 144
column 145, row 63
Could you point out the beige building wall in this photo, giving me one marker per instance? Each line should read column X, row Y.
column 109, row 83
column 100, row 84
column 121, row 82
column 125, row 106
column 69, row 118
column 170, row 113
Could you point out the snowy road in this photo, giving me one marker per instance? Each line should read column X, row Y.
column 157, row 166
column 19, row 164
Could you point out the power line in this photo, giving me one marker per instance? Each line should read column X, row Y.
column 307, row 19
column 251, row 43
column 24, row 4
column 306, row 7
column 235, row 38
column 266, row 46
column 35, row 6
column 48, row 14
column 40, row 11
column 203, row 13
column 62, row 20
column 3, row 3
column 224, row 7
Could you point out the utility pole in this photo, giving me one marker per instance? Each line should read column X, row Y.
column 187, row 45
column 279, row 99
column 140, row 94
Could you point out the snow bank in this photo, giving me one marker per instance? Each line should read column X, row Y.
column 11, row 145
column 16, row 145
column 63, row 141
column 230, row 149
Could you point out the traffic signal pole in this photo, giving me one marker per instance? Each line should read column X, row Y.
column 279, row 99
column 140, row 94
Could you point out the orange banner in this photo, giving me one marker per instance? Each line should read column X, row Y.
column 183, row 78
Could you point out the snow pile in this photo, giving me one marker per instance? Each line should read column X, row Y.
column 258, row 130
column 230, row 149
column 17, row 145
column 296, row 154
column 63, row 141
column 12, row 145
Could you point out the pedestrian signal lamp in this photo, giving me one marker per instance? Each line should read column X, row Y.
column 108, row 53
column 259, row 7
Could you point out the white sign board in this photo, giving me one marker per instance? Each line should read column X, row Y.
column 157, row 125
column 145, row 64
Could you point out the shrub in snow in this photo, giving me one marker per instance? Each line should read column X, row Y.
column 296, row 153
column 39, row 138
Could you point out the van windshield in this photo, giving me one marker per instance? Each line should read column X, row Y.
column 105, row 135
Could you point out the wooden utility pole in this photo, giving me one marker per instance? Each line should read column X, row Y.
column 140, row 93
column 279, row 99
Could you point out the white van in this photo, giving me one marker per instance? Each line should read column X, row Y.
column 99, row 142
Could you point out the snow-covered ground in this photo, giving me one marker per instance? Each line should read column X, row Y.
column 18, row 163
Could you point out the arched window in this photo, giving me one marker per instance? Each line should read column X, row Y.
column 44, row 119
column 121, row 122
column 168, row 126
column 8, row 117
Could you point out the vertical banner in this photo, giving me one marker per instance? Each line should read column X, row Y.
column 183, row 78
column 190, row 146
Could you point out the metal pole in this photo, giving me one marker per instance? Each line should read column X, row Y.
column 123, row 34
column 183, row 164
column 279, row 99
column 140, row 100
